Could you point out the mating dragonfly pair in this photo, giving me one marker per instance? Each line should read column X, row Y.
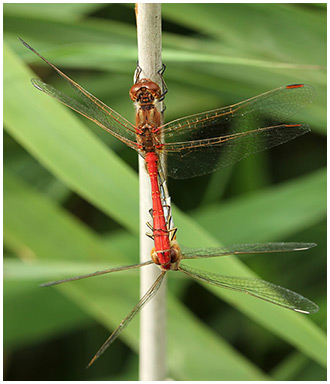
column 194, row 146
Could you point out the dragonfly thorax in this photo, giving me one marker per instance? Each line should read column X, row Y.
column 147, row 122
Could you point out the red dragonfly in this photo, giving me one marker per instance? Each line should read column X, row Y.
column 261, row 289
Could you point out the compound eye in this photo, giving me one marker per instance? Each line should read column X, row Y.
column 175, row 255
column 153, row 87
column 134, row 90
column 154, row 257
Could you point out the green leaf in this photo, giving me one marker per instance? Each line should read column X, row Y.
column 302, row 202
column 25, row 300
column 53, row 11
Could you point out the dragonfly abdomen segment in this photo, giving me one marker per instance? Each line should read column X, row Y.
column 161, row 251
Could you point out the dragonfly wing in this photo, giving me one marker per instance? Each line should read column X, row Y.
column 92, row 108
column 255, row 287
column 221, row 137
column 237, row 249
column 97, row 273
column 143, row 301
column 201, row 157
column 276, row 106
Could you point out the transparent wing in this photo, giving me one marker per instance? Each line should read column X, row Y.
column 92, row 108
column 201, row 143
column 201, row 157
column 143, row 301
column 255, row 287
column 97, row 273
column 237, row 249
column 276, row 105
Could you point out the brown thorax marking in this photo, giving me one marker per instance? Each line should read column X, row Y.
column 145, row 93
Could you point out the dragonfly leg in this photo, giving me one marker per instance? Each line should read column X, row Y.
column 150, row 226
column 164, row 107
column 162, row 70
column 138, row 71
column 164, row 86
column 168, row 216
column 173, row 231
column 153, row 229
column 150, row 235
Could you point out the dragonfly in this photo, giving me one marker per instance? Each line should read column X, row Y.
column 194, row 145
column 258, row 288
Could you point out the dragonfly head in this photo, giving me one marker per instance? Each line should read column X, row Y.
column 145, row 91
column 175, row 257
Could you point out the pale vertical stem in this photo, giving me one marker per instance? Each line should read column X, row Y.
column 153, row 316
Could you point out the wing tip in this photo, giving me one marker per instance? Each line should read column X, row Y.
column 314, row 308
column 25, row 44
column 305, row 246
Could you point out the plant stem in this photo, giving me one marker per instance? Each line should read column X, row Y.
column 153, row 316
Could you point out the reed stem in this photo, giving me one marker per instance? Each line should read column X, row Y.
column 153, row 316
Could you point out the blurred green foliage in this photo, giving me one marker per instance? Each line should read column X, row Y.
column 71, row 194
